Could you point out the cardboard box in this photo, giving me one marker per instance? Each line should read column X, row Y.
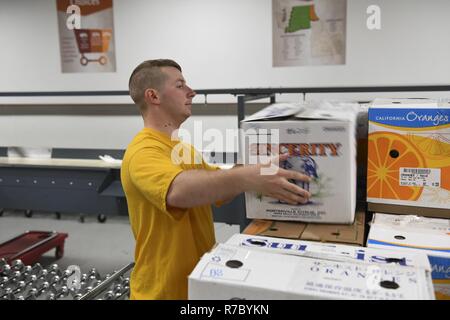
column 416, row 234
column 362, row 129
column 230, row 272
column 330, row 251
column 408, row 210
column 320, row 139
column 409, row 156
column 334, row 233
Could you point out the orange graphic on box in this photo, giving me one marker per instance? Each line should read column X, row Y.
column 388, row 152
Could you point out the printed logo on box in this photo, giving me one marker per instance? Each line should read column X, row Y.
column 410, row 118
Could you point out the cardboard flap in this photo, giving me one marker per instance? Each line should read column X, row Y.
column 319, row 114
column 276, row 110
column 277, row 229
column 329, row 233
column 329, row 110
column 280, row 229
column 257, row 226
column 349, row 234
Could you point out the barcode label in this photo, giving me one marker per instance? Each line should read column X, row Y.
column 419, row 171
column 420, row 177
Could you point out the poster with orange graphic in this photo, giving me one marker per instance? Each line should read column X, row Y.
column 409, row 153
column 86, row 35
column 308, row 32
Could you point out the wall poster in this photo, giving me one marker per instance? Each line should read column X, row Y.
column 86, row 35
column 309, row 32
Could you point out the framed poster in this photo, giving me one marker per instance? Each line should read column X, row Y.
column 309, row 32
column 86, row 36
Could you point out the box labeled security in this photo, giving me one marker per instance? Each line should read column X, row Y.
column 319, row 138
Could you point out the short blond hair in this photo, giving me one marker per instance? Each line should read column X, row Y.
column 146, row 75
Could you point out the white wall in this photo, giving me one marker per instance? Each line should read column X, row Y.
column 227, row 44
column 48, row 127
column 219, row 43
column 74, row 131
column 95, row 131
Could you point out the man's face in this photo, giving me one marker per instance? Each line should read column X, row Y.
column 176, row 96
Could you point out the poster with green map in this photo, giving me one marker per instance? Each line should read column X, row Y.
column 309, row 32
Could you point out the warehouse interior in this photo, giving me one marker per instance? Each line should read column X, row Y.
column 66, row 123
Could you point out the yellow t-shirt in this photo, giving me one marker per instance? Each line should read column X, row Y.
column 169, row 241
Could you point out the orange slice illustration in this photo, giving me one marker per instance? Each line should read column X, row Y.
column 388, row 152
column 434, row 147
column 445, row 178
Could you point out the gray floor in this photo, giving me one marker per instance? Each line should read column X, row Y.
column 105, row 246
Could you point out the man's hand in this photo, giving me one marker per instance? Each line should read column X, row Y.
column 272, row 181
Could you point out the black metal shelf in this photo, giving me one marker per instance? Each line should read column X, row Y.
column 239, row 91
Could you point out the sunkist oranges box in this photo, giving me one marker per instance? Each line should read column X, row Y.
column 320, row 140
column 409, row 155
column 230, row 272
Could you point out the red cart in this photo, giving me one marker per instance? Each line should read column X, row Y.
column 31, row 245
column 93, row 40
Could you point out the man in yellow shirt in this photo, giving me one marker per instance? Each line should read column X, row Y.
column 169, row 198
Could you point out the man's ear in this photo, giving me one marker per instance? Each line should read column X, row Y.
column 151, row 96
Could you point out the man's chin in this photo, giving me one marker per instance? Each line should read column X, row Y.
column 186, row 116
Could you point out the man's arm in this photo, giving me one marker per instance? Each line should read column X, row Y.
column 227, row 200
column 193, row 188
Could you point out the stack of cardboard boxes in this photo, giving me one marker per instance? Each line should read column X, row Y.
column 408, row 175
column 409, row 157
column 321, row 140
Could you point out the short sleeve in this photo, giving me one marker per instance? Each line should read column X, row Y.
column 209, row 167
column 152, row 173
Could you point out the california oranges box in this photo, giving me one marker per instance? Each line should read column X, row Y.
column 320, row 140
column 409, row 153
column 412, row 233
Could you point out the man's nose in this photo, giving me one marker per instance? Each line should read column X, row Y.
column 191, row 93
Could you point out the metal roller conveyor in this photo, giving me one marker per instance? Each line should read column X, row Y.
column 23, row 282
column 105, row 284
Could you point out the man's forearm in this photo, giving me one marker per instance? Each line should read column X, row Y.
column 193, row 188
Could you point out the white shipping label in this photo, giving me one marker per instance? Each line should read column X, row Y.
column 420, row 177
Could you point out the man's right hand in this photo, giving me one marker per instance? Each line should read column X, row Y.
column 272, row 181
